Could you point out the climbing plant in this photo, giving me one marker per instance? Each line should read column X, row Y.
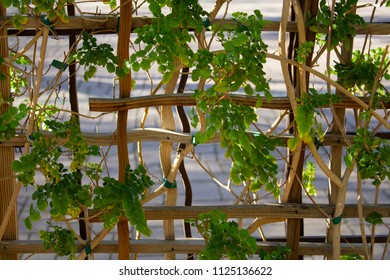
column 223, row 238
column 224, row 58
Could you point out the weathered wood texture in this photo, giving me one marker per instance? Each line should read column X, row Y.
column 186, row 99
column 288, row 210
column 7, row 180
column 124, row 32
column 155, row 246
column 109, row 24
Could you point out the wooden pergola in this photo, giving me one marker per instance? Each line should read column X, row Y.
column 291, row 210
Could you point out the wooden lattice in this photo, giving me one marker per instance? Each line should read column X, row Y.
column 289, row 209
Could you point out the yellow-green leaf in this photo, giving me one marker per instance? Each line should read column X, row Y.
column 293, row 143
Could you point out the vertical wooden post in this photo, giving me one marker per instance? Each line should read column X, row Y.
column 74, row 107
column 126, row 14
column 336, row 152
column 186, row 128
column 168, row 122
column 300, row 79
column 7, row 180
column 294, row 226
column 74, row 104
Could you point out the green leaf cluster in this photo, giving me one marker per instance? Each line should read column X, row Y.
column 351, row 257
column 63, row 192
column 114, row 198
column 359, row 74
column 251, row 153
column 374, row 218
column 51, row 9
column 238, row 68
column 67, row 197
column 308, row 178
column 111, row 3
column 280, row 253
column 10, row 118
column 223, row 238
column 167, row 37
column 240, row 65
column 66, row 139
column 303, row 51
column 18, row 80
column 61, row 240
column 92, row 54
column 343, row 25
column 2, row 75
column 372, row 156
column 307, row 107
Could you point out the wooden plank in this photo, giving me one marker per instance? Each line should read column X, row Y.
column 336, row 152
column 9, row 227
column 179, row 246
column 158, row 134
column 108, row 24
column 291, row 210
column 126, row 11
column 287, row 210
column 186, row 99
column 167, row 121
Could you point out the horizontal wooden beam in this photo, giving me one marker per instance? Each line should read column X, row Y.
column 186, row 99
column 159, row 134
column 154, row 246
column 109, row 23
column 283, row 211
column 139, row 135
column 290, row 210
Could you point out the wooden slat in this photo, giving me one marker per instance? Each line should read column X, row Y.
column 261, row 210
column 186, row 99
column 109, row 24
column 158, row 134
column 96, row 23
column 8, row 212
column 124, row 31
column 288, row 210
column 154, row 246
column 183, row 99
column 107, row 139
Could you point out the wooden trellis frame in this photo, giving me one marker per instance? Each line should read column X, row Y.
column 165, row 135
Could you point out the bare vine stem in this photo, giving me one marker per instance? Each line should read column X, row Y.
column 334, row 84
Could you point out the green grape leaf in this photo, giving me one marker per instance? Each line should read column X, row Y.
column 28, row 223
column 222, row 86
column 255, row 186
column 374, row 218
column 259, row 101
column 166, row 77
column 308, row 177
column 249, row 90
column 126, row 66
column 245, row 143
column 7, row 3
column 110, row 67
column 292, row 143
column 42, row 205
